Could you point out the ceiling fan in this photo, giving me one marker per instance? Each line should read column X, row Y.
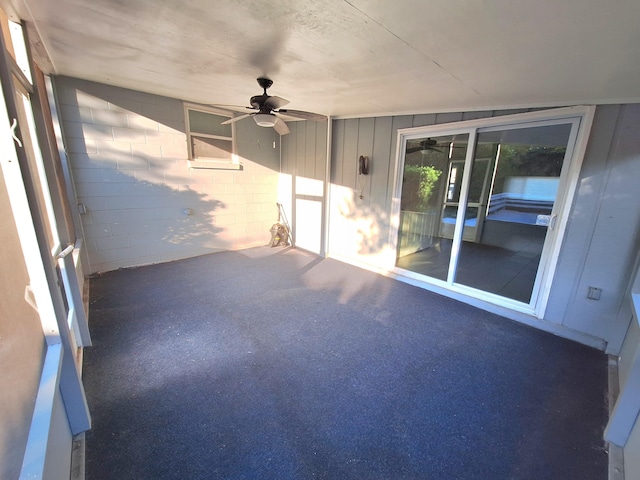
column 269, row 107
column 422, row 145
column 425, row 145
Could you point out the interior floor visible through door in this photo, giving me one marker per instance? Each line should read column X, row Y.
column 505, row 272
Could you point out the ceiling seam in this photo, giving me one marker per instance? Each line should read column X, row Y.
column 412, row 47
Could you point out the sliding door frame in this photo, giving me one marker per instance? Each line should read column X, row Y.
column 582, row 116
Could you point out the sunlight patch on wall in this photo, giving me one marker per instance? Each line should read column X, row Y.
column 285, row 191
column 358, row 230
column 309, row 225
column 309, row 187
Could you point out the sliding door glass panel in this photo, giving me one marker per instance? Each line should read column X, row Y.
column 431, row 182
column 514, row 183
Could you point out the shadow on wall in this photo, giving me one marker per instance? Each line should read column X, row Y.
column 118, row 111
column 134, row 222
column 139, row 202
column 108, row 106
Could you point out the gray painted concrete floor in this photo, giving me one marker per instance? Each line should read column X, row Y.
column 274, row 363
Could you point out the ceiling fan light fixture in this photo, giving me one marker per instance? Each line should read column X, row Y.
column 265, row 119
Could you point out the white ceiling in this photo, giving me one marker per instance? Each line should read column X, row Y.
column 351, row 57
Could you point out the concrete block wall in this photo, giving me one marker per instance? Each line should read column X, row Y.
column 144, row 203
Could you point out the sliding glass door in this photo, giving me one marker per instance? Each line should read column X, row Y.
column 479, row 206
column 432, row 175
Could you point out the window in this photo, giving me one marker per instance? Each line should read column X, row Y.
column 211, row 144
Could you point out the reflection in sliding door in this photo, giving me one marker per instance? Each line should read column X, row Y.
column 432, row 176
column 501, row 253
column 481, row 205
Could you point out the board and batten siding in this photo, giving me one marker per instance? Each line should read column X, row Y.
column 628, row 357
column 359, row 227
column 303, row 182
column 623, row 429
column 144, row 203
column 602, row 231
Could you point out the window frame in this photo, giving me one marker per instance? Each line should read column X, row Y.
column 583, row 117
column 210, row 162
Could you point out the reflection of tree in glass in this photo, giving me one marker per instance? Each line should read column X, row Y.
column 528, row 161
column 419, row 183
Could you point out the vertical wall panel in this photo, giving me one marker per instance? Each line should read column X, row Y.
column 321, row 149
column 365, row 147
column 291, row 148
column 350, row 152
column 337, row 151
column 383, row 160
column 344, row 237
column 584, row 213
column 288, row 171
column 404, row 121
column 422, row 120
column 310, row 148
column 449, row 117
column 615, row 236
column 476, row 115
column 301, row 148
column 513, row 111
column 305, row 151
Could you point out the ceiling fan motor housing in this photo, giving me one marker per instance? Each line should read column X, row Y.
column 260, row 102
column 265, row 83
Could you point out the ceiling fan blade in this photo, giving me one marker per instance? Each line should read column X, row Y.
column 423, row 145
column 280, row 126
column 316, row 117
column 411, row 150
column 275, row 102
column 235, row 119
column 232, row 108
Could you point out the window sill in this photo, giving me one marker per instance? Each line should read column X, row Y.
column 214, row 165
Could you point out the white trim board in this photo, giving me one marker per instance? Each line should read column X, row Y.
column 35, row 457
column 625, row 413
column 494, row 108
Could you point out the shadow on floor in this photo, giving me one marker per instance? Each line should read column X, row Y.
column 274, row 364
